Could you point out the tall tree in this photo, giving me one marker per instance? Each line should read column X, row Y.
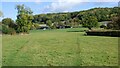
column 24, row 18
column 90, row 21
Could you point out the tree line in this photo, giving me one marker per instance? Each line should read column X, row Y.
column 87, row 18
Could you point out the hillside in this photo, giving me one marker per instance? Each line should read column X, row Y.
column 102, row 14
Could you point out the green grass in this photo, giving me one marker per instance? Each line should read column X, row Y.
column 0, row 27
column 63, row 47
column 0, row 51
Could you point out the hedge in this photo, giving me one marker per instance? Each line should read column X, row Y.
column 113, row 33
column 7, row 30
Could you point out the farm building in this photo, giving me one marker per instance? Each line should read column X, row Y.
column 43, row 26
column 104, row 23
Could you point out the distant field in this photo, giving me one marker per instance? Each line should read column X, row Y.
column 63, row 47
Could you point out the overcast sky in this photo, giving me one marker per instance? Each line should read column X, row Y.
column 53, row 6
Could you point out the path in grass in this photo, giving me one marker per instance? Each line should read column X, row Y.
column 99, row 50
column 59, row 47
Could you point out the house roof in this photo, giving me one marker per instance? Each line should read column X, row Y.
column 43, row 25
column 105, row 22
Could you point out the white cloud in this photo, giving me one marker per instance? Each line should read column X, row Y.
column 37, row 1
column 106, row 0
column 62, row 5
column 60, row 0
column 66, row 5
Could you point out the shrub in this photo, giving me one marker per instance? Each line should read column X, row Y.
column 23, row 29
column 26, row 30
column 110, row 25
column 7, row 30
column 114, row 24
column 36, row 25
column 11, row 31
column 8, row 21
column 53, row 27
column 114, row 33
column 32, row 27
column 4, row 29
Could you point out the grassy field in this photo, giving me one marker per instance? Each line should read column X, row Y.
column 0, row 46
column 0, row 51
column 64, row 47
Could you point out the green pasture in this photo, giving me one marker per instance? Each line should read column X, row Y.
column 59, row 47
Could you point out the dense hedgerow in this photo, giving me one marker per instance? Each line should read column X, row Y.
column 114, row 33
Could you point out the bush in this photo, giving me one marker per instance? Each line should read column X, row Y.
column 110, row 25
column 4, row 29
column 53, row 27
column 23, row 29
column 8, row 21
column 114, row 24
column 7, row 30
column 36, row 26
column 11, row 31
column 32, row 27
column 113, row 33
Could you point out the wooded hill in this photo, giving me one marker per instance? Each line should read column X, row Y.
column 87, row 18
column 102, row 14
